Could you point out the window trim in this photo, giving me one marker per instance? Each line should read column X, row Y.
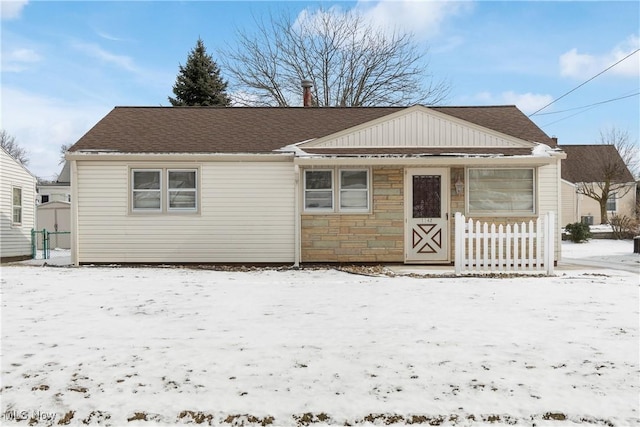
column 365, row 190
column 14, row 206
column 336, row 191
column 613, row 198
column 164, row 189
column 194, row 190
column 502, row 213
column 132, row 190
column 305, row 191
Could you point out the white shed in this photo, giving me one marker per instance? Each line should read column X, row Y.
column 17, row 208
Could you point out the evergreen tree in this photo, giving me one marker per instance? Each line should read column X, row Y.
column 199, row 82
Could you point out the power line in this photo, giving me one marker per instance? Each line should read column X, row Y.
column 584, row 83
column 590, row 105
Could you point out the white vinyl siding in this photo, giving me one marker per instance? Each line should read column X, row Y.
column 15, row 240
column 246, row 214
column 549, row 197
column 501, row 191
column 419, row 127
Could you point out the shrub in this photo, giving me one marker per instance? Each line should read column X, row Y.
column 623, row 227
column 578, row 232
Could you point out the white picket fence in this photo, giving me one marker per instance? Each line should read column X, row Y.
column 524, row 247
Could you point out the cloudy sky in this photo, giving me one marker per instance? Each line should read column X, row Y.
column 67, row 64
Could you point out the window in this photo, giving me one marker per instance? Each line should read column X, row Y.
column 352, row 194
column 182, row 190
column 318, row 189
column 17, row 206
column 164, row 190
column 501, row 191
column 44, row 198
column 612, row 202
column 354, row 189
column 147, row 193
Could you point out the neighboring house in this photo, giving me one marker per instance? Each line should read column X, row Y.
column 58, row 191
column 587, row 164
column 291, row 185
column 53, row 212
column 17, row 208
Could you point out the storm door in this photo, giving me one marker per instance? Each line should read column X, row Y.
column 427, row 214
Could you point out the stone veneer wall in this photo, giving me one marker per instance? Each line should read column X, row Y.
column 374, row 237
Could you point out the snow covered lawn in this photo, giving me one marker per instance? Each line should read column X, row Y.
column 149, row 346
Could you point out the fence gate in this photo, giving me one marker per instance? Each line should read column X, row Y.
column 483, row 247
column 41, row 239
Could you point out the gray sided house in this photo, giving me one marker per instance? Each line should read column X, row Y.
column 17, row 208
column 302, row 185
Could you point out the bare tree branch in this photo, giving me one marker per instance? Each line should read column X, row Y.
column 350, row 62
column 613, row 170
column 8, row 142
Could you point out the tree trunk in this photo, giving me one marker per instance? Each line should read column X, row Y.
column 604, row 218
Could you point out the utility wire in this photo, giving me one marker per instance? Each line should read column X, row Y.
column 584, row 83
column 590, row 105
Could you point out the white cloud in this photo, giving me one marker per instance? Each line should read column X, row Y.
column 41, row 125
column 19, row 59
column 526, row 102
column 585, row 65
column 422, row 18
column 11, row 9
column 95, row 51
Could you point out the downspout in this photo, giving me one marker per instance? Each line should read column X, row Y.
column 74, row 213
column 557, row 234
column 296, row 220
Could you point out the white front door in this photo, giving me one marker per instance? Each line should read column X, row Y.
column 427, row 215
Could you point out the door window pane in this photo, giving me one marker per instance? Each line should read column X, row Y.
column 426, row 196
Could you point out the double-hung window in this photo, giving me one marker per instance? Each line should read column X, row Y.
column 612, row 202
column 501, row 191
column 164, row 190
column 182, row 190
column 318, row 190
column 354, row 189
column 147, row 190
column 352, row 194
column 17, row 206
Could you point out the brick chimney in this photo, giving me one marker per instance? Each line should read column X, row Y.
column 307, row 98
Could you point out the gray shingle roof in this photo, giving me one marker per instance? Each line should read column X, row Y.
column 262, row 129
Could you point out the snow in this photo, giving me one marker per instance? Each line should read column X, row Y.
column 166, row 345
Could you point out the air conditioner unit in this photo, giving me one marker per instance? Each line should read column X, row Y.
column 587, row 219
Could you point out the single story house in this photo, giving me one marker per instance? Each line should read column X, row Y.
column 588, row 164
column 17, row 208
column 303, row 185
